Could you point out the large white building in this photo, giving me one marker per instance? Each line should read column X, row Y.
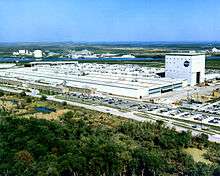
column 121, row 80
column 186, row 66
column 38, row 54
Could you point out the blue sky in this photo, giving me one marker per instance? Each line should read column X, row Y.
column 109, row 20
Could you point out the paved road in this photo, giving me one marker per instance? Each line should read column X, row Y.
column 133, row 116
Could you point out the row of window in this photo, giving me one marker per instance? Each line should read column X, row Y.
column 175, row 71
column 176, row 59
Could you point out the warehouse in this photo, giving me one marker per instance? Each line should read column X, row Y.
column 121, row 80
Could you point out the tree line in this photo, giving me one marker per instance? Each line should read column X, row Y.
column 88, row 143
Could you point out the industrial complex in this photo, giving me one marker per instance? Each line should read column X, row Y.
column 121, row 80
column 183, row 91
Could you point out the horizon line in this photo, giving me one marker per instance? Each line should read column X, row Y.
column 156, row 41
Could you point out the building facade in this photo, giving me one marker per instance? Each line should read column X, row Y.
column 186, row 66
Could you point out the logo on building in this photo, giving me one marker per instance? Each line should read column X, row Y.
column 186, row 63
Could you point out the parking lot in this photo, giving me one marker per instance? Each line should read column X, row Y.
column 213, row 108
column 166, row 111
column 192, row 116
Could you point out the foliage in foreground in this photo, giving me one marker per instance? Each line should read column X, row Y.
column 85, row 143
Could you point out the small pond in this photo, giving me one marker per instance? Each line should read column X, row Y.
column 44, row 109
column 14, row 102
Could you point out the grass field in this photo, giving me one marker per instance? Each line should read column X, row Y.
column 198, row 155
column 213, row 64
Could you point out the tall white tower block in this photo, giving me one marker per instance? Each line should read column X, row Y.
column 187, row 66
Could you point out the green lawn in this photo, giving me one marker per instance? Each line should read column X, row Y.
column 213, row 64
column 198, row 155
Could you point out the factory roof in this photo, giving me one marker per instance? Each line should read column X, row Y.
column 51, row 77
column 185, row 54
column 53, row 62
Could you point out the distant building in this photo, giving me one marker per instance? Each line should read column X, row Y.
column 22, row 52
column 38, row 54
column 83, row 53
column 186, row 66
column 215, row 50
column 109, row 55
column 15, row 53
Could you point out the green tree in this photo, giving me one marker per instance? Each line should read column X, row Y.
column 68, row 115
column 43, row 98
column 22, row 94
column 28, row 100
column 199, row 169
column 216, row 171
column 64, row 103
column 24, row 156
column 2, row 94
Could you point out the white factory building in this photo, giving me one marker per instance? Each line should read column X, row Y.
column 120, row 80
column 186, row 66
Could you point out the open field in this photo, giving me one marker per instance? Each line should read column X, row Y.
column 213, row 64
column 198, row 155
